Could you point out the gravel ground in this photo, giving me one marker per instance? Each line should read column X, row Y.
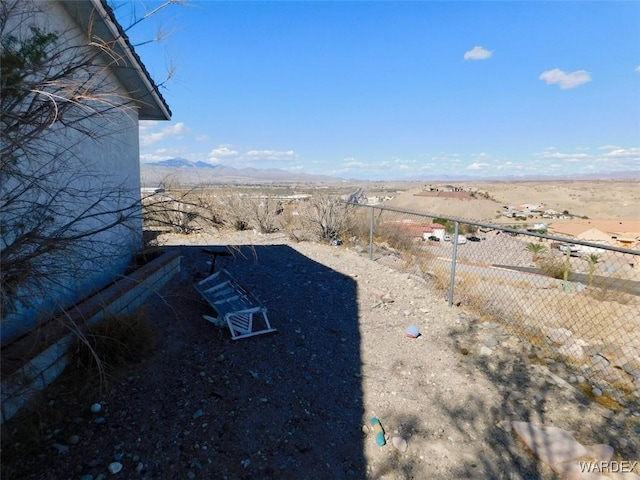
column 298, row 403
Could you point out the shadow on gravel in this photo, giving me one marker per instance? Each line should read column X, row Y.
column 295, row 399
column 285, row 405
column 528, row 396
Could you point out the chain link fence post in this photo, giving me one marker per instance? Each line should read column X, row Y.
column 371, row 234
column 454, row 256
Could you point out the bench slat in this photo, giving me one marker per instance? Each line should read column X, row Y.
column 235, row 306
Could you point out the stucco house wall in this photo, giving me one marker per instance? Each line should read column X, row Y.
column 101, row 168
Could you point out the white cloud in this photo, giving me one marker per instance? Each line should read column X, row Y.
column 355, row 164
column 223, row 151
column 274, row 155
column 565, row 80
column 175, row 130
column 477, row 166
column 633, row 153
column 478, row 53
column 152, row 157
column 609, row 147
column 637, row 69
column 569, row 157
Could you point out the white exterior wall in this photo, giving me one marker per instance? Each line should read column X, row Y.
column 104, row 166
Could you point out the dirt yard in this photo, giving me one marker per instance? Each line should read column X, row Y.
column 299, row 403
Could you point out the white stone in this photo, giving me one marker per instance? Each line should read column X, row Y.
column 485, row 351
column 559, row 335
column 400, row 443
column 571, row 350
column 115, row 467
column 552, row 445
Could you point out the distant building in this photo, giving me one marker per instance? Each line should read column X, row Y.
column 620, row 233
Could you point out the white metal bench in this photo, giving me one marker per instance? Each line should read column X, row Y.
column 234, row 305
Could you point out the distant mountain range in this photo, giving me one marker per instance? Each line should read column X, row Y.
column 186, row 172
column 182, row 163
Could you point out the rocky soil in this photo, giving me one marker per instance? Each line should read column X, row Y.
column 299, row 403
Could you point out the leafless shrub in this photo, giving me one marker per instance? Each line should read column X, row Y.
column 233, row 210
column 264, row 213
column 325, row 217
column 175, row 211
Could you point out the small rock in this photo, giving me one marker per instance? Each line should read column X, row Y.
column 515, row 395
column 596, row 391
column 491, row 342
column 631, row 370
column 400, row 443
column 100, row 420
column 62, row 449
column 115, row 467
column 608, row 414
column 96, row 408
column 485, row 351
column 198, row 414
column 559, row 335
column 73, row 440
column 139, row 467
column 571, row 350
column 599, row 362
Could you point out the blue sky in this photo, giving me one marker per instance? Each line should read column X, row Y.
column 390, row 90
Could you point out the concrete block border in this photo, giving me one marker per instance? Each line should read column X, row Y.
column 125, row 296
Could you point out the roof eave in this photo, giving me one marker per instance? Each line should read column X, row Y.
column 133, row 76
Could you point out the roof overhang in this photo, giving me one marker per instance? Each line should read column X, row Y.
column 129, row 70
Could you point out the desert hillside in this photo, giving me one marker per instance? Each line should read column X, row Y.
column 608, row 199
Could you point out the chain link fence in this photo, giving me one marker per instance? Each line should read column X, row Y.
column 577, row 303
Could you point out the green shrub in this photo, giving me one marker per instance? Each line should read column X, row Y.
column 553, row 266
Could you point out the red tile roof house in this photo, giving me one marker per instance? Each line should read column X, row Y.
column 91, row 157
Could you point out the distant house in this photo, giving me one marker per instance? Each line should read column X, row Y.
column 550, row 213
column 434, row 230
column 620, row 233
column 108, row 160
column 530, row 207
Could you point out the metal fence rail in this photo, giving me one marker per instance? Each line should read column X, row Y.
column 577, row 303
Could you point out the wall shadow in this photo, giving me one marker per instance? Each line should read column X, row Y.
column 297, row 400
column 284, row 405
